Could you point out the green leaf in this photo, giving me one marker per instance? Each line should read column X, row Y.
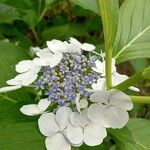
column 48, row 2
column 64, row 31
column 10, row 55
column 88, row 4
column 146, row 73
column 18, row 131
column 139, row 64
column 133, row 33
column 8, row 13
column 30, row 18
column 133, row 137
column 109, row 13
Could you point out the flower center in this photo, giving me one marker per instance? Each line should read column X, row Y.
column 71, row 76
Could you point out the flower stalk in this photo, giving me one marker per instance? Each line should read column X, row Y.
column 108, row 68
column 140, row 99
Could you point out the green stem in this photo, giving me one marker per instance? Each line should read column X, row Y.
column 7, row 98
column 108, row 67
column 43, row 13
column 129, row 82
column 35, row 34
column 140, row 99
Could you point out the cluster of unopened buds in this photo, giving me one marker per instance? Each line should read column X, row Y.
column 74, row 105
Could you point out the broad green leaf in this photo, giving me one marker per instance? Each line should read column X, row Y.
column 30, row 18
column 139, row 64
column 8, row 13
column 133, row 137
column 10, row 55
column 109, row 13
column 133, row 33
column 88, row 4
column 146, row 73
column 18, row 131
column 64, row 31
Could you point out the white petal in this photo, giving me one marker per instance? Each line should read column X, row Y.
column 78, row 103
column 75, row 119
column 27, row 78
column 57, row 46
column 83, row 103
column 55, row 60
column 43, row 51
column 100, row 66
column 134, row 89
column 87, row 47
column 116, row 117
column 74, row 135
column 118, row 78
column 94, row 134
column 63, row 117
column 9, row 88
column 84, row 117
column 57, row 142
column 97, row 70
column 101, row 97
column 43, row 104
column 48, row 125
column 121, row 100
column 96, row 113
column 100, row 85
column 27, row 65
column 30, row 110
column 13, row 82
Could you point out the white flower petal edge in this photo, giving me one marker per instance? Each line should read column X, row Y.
column 112, row 108
column 24, row 79
column 27, row 65
column 57, row 46
column 35, row 109
column 9, row 88
column 53, row 126
column 48, row 59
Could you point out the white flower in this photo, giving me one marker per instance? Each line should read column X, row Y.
column 99, row 85
column 53, row 127
column 57, row 46
column 110, row 108
column 100, row 67
column 116, row 79
column 119, row 78
column 80, row 104
column 46, row 58
column 75, row 46
column 83, row 130
column 24, row 79
column 35, row 109
column 26, row 66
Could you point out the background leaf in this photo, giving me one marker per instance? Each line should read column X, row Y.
column 133, row 137
column 8, row 13
column 88, row 4
column 10, row 56
column 146, row 73
column 18, row 131
column 133, row 33
column 109, row 14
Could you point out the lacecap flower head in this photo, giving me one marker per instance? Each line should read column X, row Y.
column 74, row 105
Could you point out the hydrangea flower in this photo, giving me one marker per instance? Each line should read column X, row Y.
column 92, row 133
column 35, row 109
column 53, row 127
column 110, row 108
column 116, row 77
column 24, row 79
column 75, row 107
